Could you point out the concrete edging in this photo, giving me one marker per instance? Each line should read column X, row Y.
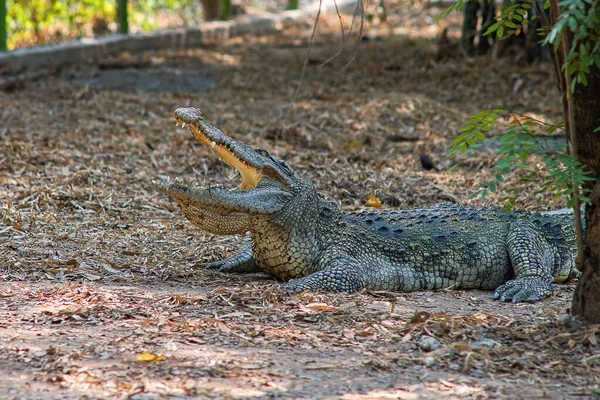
column 57, row 55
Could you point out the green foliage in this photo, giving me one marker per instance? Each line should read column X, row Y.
column 521, row 148
column 512, row 19
column 579, row 18
column 377, row 14
column 474, row 130
column 147, row 14
column 32, row 22
column 454, row 7
column 584, row 26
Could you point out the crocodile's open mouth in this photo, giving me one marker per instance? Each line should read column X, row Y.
column 251, row 176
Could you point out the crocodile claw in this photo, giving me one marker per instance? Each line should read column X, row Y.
column 240, row 262
column 524, row 290
column 221, row 265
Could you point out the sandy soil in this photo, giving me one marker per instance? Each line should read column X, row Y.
column 101, row 293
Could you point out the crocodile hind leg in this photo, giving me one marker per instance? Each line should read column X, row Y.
column 531, row 260
column 342, row 274
column 241, row 262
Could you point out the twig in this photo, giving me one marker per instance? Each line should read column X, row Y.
column 304, row 68
column 508, row 110
column 345, row 36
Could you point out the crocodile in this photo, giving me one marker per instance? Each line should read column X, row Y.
column 311, row 244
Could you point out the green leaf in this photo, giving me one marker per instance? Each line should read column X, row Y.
column 494, row 27
column 561, row 180
column 572, row 24
column 571, row 68
column 455, row 7
column 479, row 135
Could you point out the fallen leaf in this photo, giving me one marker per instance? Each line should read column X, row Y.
column 149, row 357
column 148, row 321
column 223, row 327
column 318, row 366
column 354, row 144
column 373, row 202
column 348, row 334
column 419, row 317
column 321, row 307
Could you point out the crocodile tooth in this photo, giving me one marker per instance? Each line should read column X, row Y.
column 213, row 144
column 183, row 124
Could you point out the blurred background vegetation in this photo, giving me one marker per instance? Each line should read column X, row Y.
column 34, row 22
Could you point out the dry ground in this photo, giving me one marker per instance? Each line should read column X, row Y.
column 96, row 269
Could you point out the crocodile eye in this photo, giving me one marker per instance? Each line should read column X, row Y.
column 262, row 152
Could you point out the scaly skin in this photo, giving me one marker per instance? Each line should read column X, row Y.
column 298, row 235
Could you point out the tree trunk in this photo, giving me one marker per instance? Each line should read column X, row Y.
column 582, row 115
column 212, row 9
column 586, row 300
column 488, row 17
column 469, row 29
column 586, row 99
column 501, row 44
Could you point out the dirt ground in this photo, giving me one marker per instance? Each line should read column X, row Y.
column 101, row 292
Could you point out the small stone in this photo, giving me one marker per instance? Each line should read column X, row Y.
column 428, row 343
column 564, row 320
column 484, row 342
column 477, row 373
column 428, row 361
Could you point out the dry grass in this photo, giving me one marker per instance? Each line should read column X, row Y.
column 96, row 268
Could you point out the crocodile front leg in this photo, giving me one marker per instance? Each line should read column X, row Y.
column 241, row 262
column 342, row 274
column 531, row 260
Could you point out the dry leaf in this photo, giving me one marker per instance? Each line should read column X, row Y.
column 418, row 317
column 318, row 366
column 223, row 327
column 321, row 307
column 354, row 144
column 177, row 299
column 148, row 321
column 348, row 334
column 373, row 202
column 149, row 357
column 111, row 270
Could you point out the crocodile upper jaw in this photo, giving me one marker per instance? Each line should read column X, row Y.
column 251, row 175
